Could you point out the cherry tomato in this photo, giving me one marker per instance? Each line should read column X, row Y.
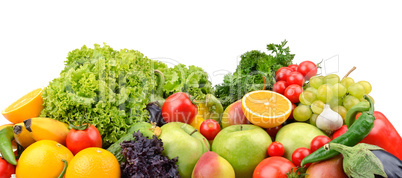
column 280, row 87
column 273, row 131
column 276, row 149
column 308, row 69
column 282, row 73
column 295, row 78
column 179, row 108
column 293, row 67
column 299, row 154
column 291, row 112
column 6, row 169
column 340, row 132
column 210, row 128
column 78, row 140
column 292, row 92
column 318, row 142
column 273, row 167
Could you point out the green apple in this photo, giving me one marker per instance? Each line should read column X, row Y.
column 243, row 146
column 296, row 135
column 183, row 141
column 212, row 165
column 233, row 115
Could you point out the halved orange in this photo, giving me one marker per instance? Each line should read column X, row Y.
column 28, row 106
column 265, row 108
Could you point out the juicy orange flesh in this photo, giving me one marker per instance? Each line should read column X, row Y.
column 267, row 104
column 23, row 100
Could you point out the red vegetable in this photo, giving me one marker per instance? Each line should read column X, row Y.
column 292, row 92
column 293, row 67
column 295, row 78
column 79, row 138
column 340, row 131
column 6, row 169
column 308, row 69
column 383, row 135
column 179, row 108
column 299, row 154
column 318, row 142
column 276, row 149
column 280, row 87
column 282, row 73
column 209, row 129
column 273, row 167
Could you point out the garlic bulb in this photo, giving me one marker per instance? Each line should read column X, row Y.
column 329, row 120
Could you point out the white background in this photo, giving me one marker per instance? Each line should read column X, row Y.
column 35, row 37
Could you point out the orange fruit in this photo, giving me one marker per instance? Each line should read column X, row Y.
column 28, row 106
column 93, row 163
column 43, row 159
column 265, row 108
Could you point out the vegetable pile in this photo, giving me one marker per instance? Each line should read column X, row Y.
column 111, row 88
column 157, row 121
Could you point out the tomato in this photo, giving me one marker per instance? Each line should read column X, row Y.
column 179, row 108
column 299, row 154
column 273, row 131
column 282, row 73
column 276, row 149
column 78, row 140
column 291, row 112
column 292, row 92
column 318, row 142
column 273, row 167
column 308, row 69
column 293, row 67
column 339, row 132
column 280, row 87
column 6, row 169
column 295, row 78
column 210, row 128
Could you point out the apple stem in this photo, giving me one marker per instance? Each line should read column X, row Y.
column 241, row 127
column 195, row 130
column 350, row 71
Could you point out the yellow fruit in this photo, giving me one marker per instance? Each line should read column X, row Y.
column 43, row 159
column 42, row 128
column 93, row 163
column 22, row 136
column 266, row 109
column 28, row 106
column 196, row 123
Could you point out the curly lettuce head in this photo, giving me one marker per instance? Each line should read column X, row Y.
column 105, row 87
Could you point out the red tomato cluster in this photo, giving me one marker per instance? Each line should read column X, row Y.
column 290, row 80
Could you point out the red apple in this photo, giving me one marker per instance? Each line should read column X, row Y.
column 233, row 115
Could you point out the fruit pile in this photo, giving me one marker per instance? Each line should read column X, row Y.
column 308, row 125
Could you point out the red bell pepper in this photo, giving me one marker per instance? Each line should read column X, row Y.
column 6, row 169
column 383, row 135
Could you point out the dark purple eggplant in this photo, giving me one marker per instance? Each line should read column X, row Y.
column 392, row 165
column 155, row 114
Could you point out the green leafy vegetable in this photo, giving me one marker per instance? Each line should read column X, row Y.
column 193, row 80
column 249, row 73
column 111, row 88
